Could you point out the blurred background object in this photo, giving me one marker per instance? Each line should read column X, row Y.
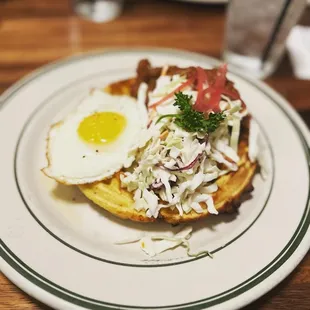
column 256, row 31
column 98, row 10
column 298, row 45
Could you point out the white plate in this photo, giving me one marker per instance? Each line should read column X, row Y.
column 62, row 252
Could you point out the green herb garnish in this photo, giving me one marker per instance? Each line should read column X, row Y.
column 191, row 120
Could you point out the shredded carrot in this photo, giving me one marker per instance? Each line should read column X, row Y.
column 182, row 86
column 164, row 70
column 163, row 135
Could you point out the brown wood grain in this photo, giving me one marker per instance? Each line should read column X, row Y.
column 36, row 32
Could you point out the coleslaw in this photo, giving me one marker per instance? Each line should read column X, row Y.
column 178, row 169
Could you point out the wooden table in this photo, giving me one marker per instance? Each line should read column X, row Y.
column 35, row 32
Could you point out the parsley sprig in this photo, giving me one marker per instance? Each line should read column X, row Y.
column 191, row 120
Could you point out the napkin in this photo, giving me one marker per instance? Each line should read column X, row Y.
column 298, row 46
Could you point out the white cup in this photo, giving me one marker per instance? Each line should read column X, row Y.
column 99, row 10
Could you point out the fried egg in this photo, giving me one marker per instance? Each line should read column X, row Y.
column 97, row 140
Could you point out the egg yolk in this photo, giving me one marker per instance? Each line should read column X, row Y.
column 102, row 128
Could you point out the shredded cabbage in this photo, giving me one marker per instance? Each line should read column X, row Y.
column 258, row 149
column 234, row 139
column 174, row 168
column 155, row 244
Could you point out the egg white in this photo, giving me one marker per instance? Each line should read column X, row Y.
column 73, row 161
